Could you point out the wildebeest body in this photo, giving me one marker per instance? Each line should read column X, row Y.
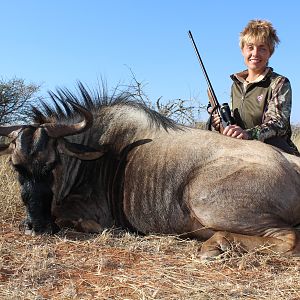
column 226, row 190
column 154, row 176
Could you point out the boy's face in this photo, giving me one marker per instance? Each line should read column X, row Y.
column 256, row 56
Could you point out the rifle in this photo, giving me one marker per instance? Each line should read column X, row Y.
column 223, row 110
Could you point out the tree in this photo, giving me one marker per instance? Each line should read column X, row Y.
column 183, row 111
column 16, row 99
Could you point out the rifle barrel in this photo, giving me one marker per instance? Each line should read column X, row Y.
column 203, row 70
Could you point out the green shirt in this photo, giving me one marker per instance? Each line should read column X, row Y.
column 262, row 107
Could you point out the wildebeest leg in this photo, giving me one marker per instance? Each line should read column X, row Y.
column 80, row 212
column 89, row 226
column 221, row 241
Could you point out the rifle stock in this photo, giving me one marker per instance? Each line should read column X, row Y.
column 215, row 109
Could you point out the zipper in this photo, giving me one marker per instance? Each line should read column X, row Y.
column 242, row 101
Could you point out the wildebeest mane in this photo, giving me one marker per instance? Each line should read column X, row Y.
column 60, row 107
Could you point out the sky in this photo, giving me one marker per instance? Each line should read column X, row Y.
column 60, row 42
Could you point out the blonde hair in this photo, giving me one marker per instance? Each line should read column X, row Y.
column 260, row 31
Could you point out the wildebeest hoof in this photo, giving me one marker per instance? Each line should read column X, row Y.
column 215, row 246
column 88, row 226
column 210, row 255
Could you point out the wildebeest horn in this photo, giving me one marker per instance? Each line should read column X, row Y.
column 61, row 130
column 7, row 130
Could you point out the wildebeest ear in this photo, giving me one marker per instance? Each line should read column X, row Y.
column 78, row 150
column 7, row 133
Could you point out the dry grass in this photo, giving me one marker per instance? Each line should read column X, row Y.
column 296, row 135
column 124, row 266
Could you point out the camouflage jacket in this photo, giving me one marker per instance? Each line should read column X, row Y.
column 262, row 107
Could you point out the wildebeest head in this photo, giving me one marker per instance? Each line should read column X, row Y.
column 35, row 154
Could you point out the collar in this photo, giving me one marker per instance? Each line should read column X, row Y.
column 241, row 76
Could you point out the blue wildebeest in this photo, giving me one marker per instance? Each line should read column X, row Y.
column 114, row 162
